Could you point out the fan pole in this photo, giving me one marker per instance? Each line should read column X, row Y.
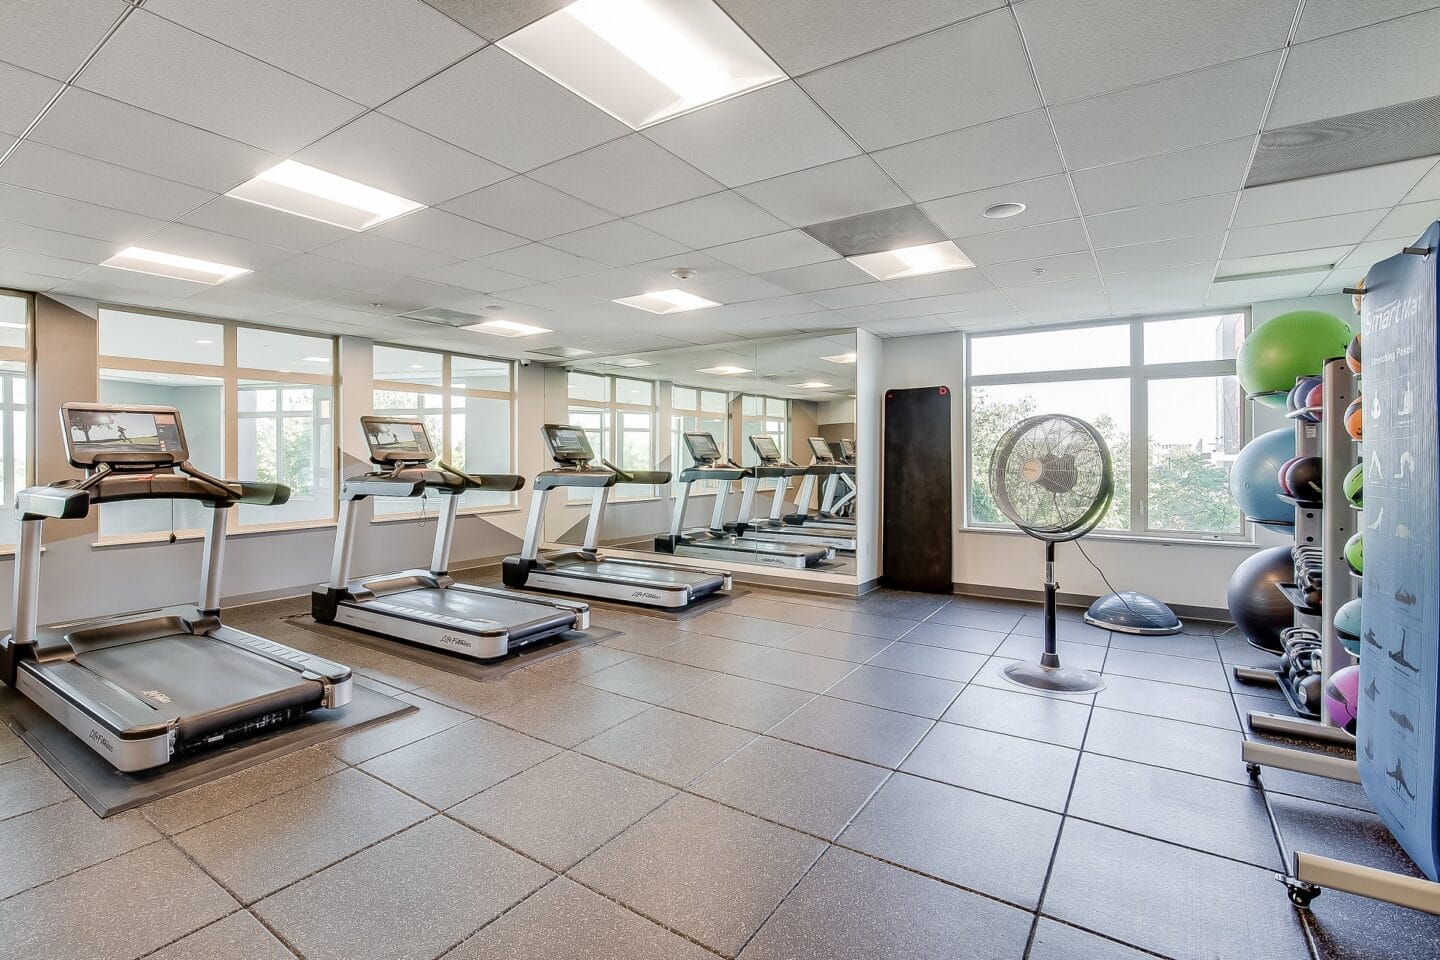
column 1051, row 656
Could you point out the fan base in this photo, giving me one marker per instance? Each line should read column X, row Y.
column 1053, row 679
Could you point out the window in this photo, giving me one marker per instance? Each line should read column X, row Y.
column 1163, row 394
column 280, row 387
column 14, row 408
column 618, row 415
column 692, row 410
column 763, row 415
column 466, row 404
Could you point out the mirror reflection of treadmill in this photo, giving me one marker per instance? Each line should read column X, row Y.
column 824, row 470
column 751, row 526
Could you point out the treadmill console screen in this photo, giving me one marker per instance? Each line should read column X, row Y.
column 122, row 434
column 765, row 447
column 568, row 444
column 847, row 449
column 703, row 448
column 397, row 440
column 820, row 449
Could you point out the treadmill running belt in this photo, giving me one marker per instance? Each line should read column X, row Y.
column 521, row 619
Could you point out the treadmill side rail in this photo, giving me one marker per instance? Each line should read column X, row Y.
column 128, row 739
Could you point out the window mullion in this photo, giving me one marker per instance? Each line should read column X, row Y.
column 1139, row 465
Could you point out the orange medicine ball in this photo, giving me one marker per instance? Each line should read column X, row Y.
column 1355, row 418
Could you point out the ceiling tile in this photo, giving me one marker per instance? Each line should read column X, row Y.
column 16, row 279
column 803, row 35
column 1026, row 243
column 228, row 302
column 473, row 275
column 1370, row 253
column 778, row 251
column 818, row 276
column 73, row 216
column 366, row 50
column 446, row 233
column 1022, row 273
column 53, row 243
column 263, row 225
column 494, row 19
column 540, row 262
column 44, row 265
column 1428, row 188
column 627, row 176
column 385, row 153
column 939, row 285
column 1046, row 200
column 1084, row 289
column 496, row 106
column 383, row 253
column 26, row 94
column 1066, row 310
column 550, row 297
column 1323, row 18
column 760, row 135
column 820, row 194
column 1081, row 49
column 1164, row 253
column 1299, row 235
column 710, row 221
column 1164, row 221
column 166, row 69
column 67, row 174
column 532, row 210
column 53, row 37
column 1220, row 103
column 738, row 289
column 909, row 326
column 1354, row 190
column 1185, row 174
column 95, row 126
column 1312, row 88
column 617, row 243
column 1407, row 221
column 860, row 295
column 1003, row 151
column 188, row 241
column 956, row 77
column 1190, row 282
column 1250, row 291
column 1294, row 260
column 309, row 267
column 127, row 285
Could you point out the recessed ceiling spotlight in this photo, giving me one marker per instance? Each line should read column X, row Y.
column 1038, row 271
column 913, row 261
column 204, row 343
column 667, row 301
column 643, row 61
column 725, row 370
column 1003, row 211
column 683, row 273
column 377, row 304
column 507, row 328
column 841, row 358
column 811, row 385
column 314, row 359
column 417, row 366
column 310, row 192
column 160, row 264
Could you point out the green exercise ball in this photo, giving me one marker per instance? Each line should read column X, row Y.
column 1354, row 486
column 1288, row 347
column 1355, row 553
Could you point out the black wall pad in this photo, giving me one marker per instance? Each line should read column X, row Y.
column 917, row 529
column 107, row 791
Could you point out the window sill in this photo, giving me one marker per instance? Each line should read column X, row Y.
column 1157, row 539
column 432, row 516
column 585, row 504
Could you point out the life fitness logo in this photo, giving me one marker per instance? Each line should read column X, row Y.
column 99, row 738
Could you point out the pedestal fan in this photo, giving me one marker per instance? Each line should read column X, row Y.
column 1051, row 476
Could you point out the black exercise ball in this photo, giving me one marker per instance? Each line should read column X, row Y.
column 1259, row 610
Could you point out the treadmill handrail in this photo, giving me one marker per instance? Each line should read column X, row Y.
column 637, row 476
column 71, row 499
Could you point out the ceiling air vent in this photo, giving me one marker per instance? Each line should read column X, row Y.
column 1402, row 131
column 880, row 230
column 441, row 317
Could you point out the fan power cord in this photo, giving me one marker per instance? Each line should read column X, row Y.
column 1118, row 595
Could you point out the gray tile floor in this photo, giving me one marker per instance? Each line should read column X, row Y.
column 788, row 776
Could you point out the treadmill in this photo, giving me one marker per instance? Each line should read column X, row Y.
column 586, row 571
column 822, row 464
column 143, row 689
column 716, row 541
column 751, row 527
column 427, row 607
column 837, row 502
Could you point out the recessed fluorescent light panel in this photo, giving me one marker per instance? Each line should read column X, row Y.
column 644, row 61
column 624, row 362
column 312, row 193
column 841, row 358
column 314, row 359
column 724, row 370
column 810, row 385
column 160, row 264
column 668, row 301
column 913, row 261
column 506, row 328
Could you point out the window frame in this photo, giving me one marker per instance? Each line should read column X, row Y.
column 612, row 430
column 764, row 418
column 25, row 356
column 697, row 415
column 230, row 374
column 1139, row 375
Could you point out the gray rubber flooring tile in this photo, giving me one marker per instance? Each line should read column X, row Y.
column 260, row 849
column 789, row 668
column 648, row 678
column 992, row 675
column 1049, row 719
column 851, row 907
column 1027, row 771
column 710, row 653
column 1214, row 708
column 649, row 640
column 986, row 844
column 1086, row 656
column 1167, row 669
column 11, row 747
column 988, row 618
column 1056, row 941
column 1309, row 787
column 956, row 665
column 576, row 664
column 1216, row 816
column 810, row 791
column 429, row 718
column 215, row 799
column 745, row 629
column 897, row 690
column 565, row 921
column 237, row 937
column 27, row 784
column 562, row 810
column 1197, row 647
column 1033, row 625
column 875, row 625
column 667, row 745
column 781, row 611
column 481, row 697
column 711, row 873
column 1191, row 747
column 826, row 642
column 888, row 603
column 411, row 897
column 740, row 702
column 62, row 838
column 856, row 730
column 458, row 762
column 396, row 671
column 1237, row 650
column 951, row 637
column 117, row 910
column 565, row 714
column 1175, row 902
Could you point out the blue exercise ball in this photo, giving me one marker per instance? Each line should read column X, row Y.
column 1255, row 481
